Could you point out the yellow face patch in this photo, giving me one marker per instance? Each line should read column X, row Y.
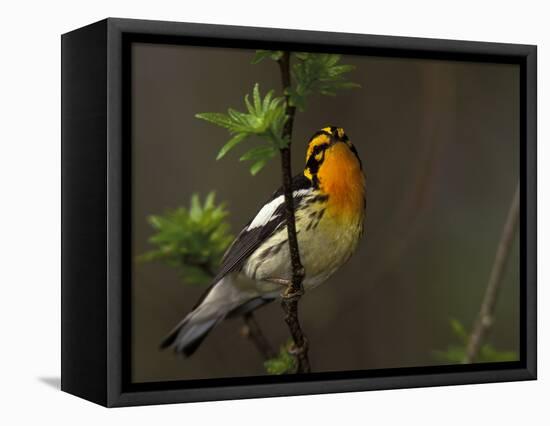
column 317, row 141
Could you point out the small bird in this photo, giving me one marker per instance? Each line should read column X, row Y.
column 329, row 204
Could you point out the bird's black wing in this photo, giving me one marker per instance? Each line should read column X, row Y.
column 269, row 218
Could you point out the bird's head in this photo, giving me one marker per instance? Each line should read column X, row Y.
column 331, row 156
column 333, row 166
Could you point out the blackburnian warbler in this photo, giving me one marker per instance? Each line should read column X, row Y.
column 329, row 203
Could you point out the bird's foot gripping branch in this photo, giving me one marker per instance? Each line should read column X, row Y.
column 300, row 347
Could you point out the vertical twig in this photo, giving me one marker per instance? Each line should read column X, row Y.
column 485, row 317
column 252, row 331
column 295, row 290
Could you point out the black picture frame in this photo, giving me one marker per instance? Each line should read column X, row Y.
column 96, row 179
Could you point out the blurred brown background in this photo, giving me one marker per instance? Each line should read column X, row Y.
column 439, row 142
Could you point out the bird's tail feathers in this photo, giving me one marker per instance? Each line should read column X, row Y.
column 187, row 336
column 218, row 303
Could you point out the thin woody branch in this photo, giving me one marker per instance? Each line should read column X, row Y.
column 295, row 290
column 252, row 331
column 485, row 317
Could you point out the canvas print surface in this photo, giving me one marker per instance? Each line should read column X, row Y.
column 406, row 175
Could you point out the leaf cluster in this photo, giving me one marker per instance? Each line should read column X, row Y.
column 283, row 363
column 260, row 55
column 192, row 239
column 456, row 353
column 317, row 73
column 264, row 118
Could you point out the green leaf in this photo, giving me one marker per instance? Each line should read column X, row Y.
column 219, row 119
column 301, row 55
column 257, row 99
column 257, row 166
column 209, row 201
column 259, row 153
column 195, row 210
column 283, row 363
column 260, row 55
column 265, row 118
column 249, row 106
column 459, row 330
column 229, row 145
column 260, row 157
column 276, row 55
column 317, row 73
column 267, row 101
column 453, row 354
column 490, row 354
column 192, row 239
column 456, row 353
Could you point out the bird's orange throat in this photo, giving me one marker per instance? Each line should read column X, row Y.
column 341, row 178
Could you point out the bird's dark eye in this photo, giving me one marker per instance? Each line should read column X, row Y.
column 318, row 152
column 316, row 157
column 319, row 148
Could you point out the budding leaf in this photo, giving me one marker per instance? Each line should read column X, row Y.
column 260, row 55
column 456, row 353
column 283, row 363
column 191, row 239
column 317, row 73
column 264, row 117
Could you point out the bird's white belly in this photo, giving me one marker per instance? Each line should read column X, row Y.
column 325, row 246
